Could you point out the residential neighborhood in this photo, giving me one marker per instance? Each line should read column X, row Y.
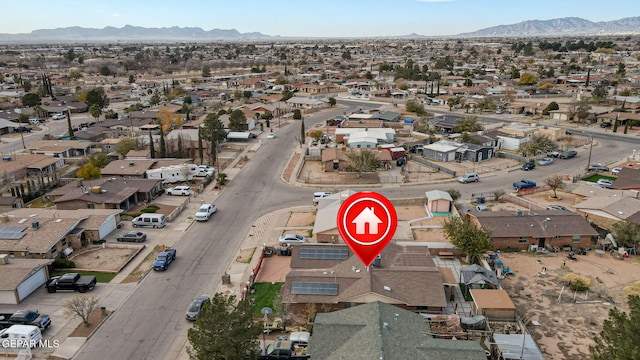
column 133, row 135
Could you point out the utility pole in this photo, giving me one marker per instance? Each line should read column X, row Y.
column 590, row 149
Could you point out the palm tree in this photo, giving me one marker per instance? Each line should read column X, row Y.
column 95, row 110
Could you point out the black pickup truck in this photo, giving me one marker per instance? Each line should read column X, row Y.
column 71, row 281
column 25, row 317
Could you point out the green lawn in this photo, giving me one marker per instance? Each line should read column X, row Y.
column 596, row 177
column 100, row 276
column 264, row 295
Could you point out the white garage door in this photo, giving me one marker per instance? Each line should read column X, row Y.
column 30, row 284
column 7, row 297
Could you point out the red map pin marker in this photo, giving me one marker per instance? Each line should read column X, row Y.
column 367, row 221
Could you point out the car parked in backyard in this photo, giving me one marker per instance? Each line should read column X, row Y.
column 132, row 236
column 545, row 161
column 557, row 207
column 605, row 182
column 179, row 190
column 194, row 311
column 598, row 167
column 292, row 239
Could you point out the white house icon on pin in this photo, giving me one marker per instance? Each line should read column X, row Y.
column 367, row 216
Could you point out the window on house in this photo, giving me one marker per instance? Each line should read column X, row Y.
column 576, row 238
column 523, row 240
column 91, row 206
column 63, row 242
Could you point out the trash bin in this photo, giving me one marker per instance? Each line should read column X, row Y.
column 480, row 200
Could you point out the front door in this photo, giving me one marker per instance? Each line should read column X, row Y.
column 541, row 242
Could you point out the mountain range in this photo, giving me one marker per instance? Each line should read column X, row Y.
column 128, row 33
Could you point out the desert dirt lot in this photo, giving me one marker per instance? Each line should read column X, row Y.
column 566, row 328
column 107, row 259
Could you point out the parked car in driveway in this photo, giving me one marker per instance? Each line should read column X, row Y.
column 606, row 124
column 132, row 236
column 545, row 161
column 195, row 308
column 616, row 170
column 553, row 153
column 598, row 167
column 568, row 154
column 58, row 116
column 528, row 166
column 292, row 239
column 179, row 190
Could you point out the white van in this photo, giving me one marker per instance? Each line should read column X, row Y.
column 319, row 195
column 20, row 336
column 150, row 220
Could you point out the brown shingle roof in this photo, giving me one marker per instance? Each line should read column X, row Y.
column 542, row 223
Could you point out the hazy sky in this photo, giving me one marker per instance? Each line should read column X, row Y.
column 325, row 18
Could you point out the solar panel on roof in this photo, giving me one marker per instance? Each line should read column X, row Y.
column 314, row 288
column 324, row 254
column 12, row 232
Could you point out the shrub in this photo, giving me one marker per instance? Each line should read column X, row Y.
column 577, row 282
column 60, row 263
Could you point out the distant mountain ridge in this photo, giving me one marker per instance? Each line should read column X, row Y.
column 129, row 33
column 561, row 27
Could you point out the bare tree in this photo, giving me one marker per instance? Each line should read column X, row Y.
column 555, row 182
column 80, row 306
column 363, row 160
column 498, row 194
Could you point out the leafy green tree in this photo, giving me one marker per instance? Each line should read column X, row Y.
column 225, row 330
column 152, row 148
column 551, row 107
column 454, row 193
column 237, row 121
column 99, row 159
column 110, row 114
column 40, row 111
column 30, row 99
column 126, row 145
column 332, row 101
column 214, row 132
column 316, row 134
column 154, row 99
column 163, row 145
column 620, row 334
column 416, row 107
column 471, row 240
column 528, row 79
column 537, row 144
column 104, row 70
column 581, row 108
column 95, row 110
column 286, row 95
column 297, row 115
column 627, row 233
column 88, row 172
column 468, row 124
column 206, row 71
column 75, row 74
column 98, row 97
column 363, row 160
column 600, row 93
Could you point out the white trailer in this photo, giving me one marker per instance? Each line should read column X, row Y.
column 172, row 174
